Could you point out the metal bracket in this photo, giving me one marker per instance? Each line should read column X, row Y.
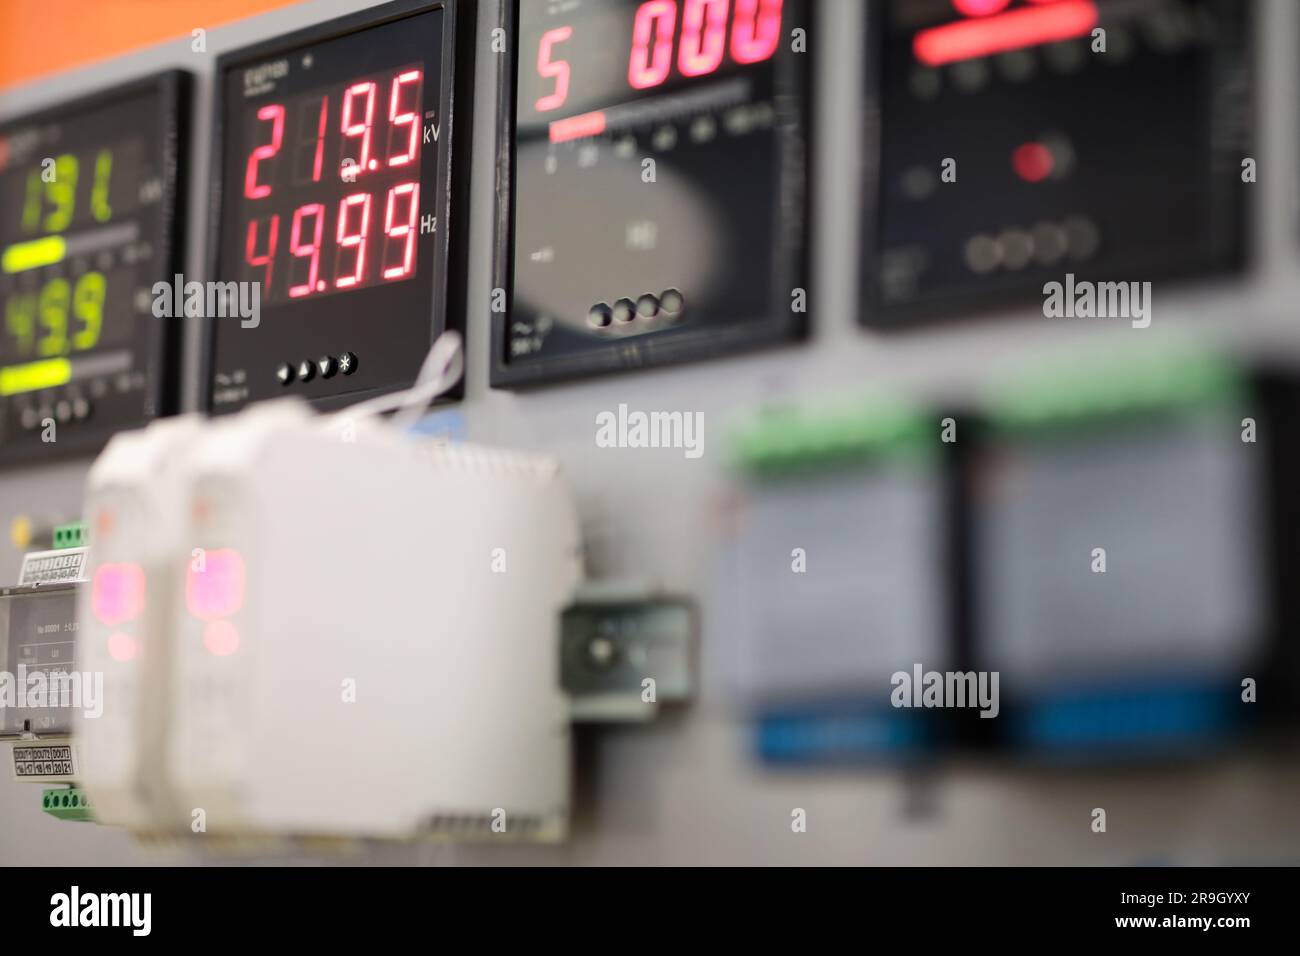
column 624, row 650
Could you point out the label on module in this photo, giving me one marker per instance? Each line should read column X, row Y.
column 64, row 566
column 43, row 761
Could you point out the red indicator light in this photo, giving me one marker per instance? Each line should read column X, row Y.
column 1032, row 162
column 1013, row 30
column 117, row 593
column 220, row 638
column 576, row 127
column 980, row 8
column 218, row 589
column 122, row 647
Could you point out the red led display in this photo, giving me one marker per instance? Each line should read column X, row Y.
column 331, row 195
column 687, row 39
column 341, row 203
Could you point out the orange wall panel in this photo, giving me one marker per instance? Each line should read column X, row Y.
column 41, row 37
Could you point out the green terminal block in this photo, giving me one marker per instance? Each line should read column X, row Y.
column 797, row 439
column 70, row 535
column 1103, row 389
column 69, row 803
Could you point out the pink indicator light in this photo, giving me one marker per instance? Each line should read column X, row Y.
column 1013, row 30
column 117, row 593
column 1032, row 162
column 578, row 127
column 122, row 647
column 220, row 638
column 218, row 589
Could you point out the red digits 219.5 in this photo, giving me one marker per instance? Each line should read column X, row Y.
column 360, row 152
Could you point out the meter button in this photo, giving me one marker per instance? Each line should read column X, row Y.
column 624, row 310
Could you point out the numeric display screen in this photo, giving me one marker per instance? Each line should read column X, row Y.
column 88, row 197
column 657, row 200
column 1020, row 141
column 38, row 636
column 370, row 129
column 334, row 175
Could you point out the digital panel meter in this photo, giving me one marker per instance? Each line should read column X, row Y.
column 1020, row 141
column 335, row 206
column 38, row 647
column 88, row 225
column 653, row 183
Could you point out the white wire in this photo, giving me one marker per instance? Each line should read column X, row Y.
column 441, row 369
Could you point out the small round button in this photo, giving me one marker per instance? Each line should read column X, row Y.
column 63, row 411
column 624, row 310
column 347, row 363
column 600, row 315
column 671, row 301
column 80, row 409
column 306, row 370
column 326, row 366
column 647, row 307
column 30, row 418
column 284, row 373
column 601, row 652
